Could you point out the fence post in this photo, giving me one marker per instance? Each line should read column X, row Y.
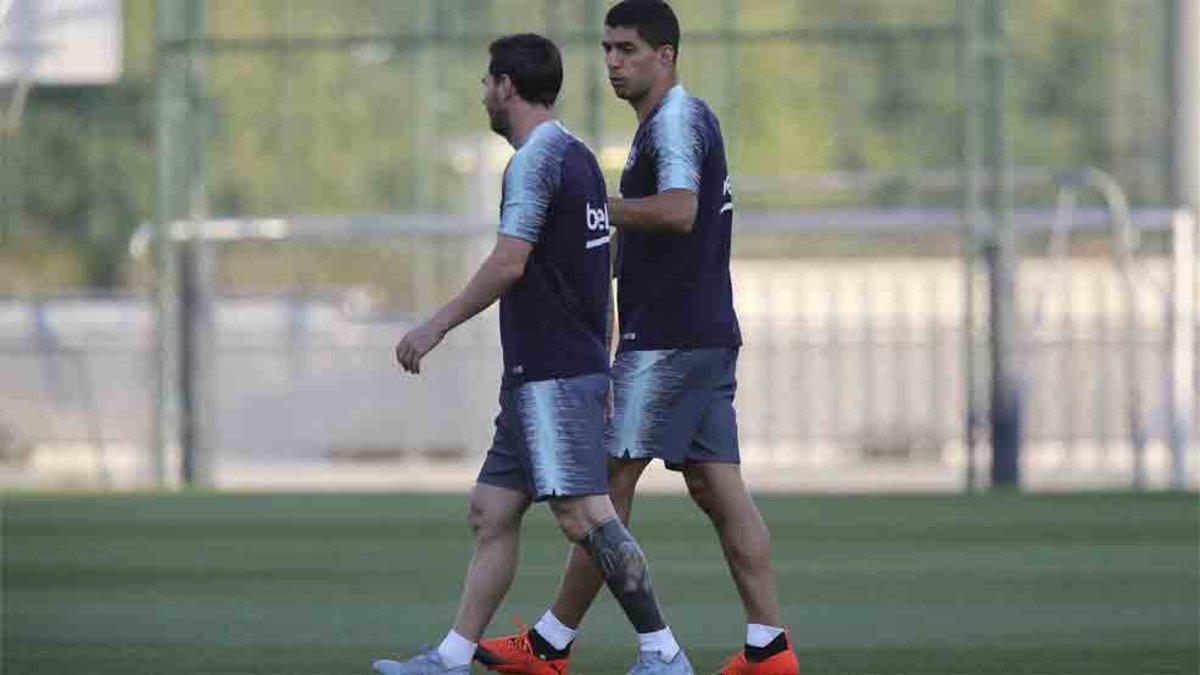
column 1006, row 404
column 178, row 23
column 972, row 159
column 1185, row 289
column 1181, row 343
column 593, row 82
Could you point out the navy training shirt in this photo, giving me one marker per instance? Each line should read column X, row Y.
column 554, row 319
column 674, row 290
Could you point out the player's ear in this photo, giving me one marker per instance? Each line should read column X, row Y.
column 666, row 56
column 506, row 86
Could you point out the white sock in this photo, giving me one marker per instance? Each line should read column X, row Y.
column 758, row 635
column 554, row 631
column 661, row 641
column 456, row 651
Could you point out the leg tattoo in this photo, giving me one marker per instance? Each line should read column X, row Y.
column 625, row 571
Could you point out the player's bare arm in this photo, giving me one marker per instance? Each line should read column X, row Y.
column 672, row 211
column 502, row 268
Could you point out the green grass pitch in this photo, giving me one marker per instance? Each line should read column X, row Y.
column 1092, row 584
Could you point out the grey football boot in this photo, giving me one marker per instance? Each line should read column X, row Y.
column 428, row 662
column 652, row 663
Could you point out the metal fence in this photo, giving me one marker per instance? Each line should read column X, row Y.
column 852, row 375
column 845, row 128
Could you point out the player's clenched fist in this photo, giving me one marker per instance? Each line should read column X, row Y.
column 416, row 344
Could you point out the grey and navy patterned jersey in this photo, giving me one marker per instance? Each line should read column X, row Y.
column 553, row 320
column 674, row 290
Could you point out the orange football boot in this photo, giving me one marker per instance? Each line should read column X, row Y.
column 516, row 654
column 783, row 663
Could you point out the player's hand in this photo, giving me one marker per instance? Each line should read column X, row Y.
column 609, row 406
column 416, row 344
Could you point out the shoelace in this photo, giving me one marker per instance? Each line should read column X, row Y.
column 525, row 643
column 429, row 653
column 650, row 657
column 522, row 642
column 521, row 639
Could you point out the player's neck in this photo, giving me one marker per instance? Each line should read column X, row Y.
column 524, row 121
column 645, row 105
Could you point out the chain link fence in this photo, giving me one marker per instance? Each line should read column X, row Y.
column 844, row 128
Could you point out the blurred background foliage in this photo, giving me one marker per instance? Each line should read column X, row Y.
column 371, row 106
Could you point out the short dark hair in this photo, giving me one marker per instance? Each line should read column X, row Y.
column 654, row 21
column 532, row 62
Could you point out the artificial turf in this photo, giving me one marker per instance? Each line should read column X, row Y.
column 158, row 584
